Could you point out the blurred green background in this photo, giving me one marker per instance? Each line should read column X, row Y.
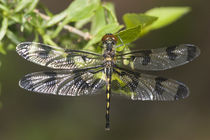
column 30, row 116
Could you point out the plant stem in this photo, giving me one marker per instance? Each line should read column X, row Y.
column 85, row 35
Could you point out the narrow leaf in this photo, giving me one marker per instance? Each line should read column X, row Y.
column 98, row 20
column 3, row 28
column 79, row 24
column 32, row 5
column 129, row 35
column 79, row 9
column 3, row 7
column 22, row 4
column 13, row 37
column 166, row 15
column 133, row 20
column 111, row 15
column 2, row 50
column 57, row 18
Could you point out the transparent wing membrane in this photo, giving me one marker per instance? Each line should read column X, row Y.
column 63, row 82
column 57, row 58
column 139, row 86
column 159, row 59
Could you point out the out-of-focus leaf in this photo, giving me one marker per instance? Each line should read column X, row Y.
column 2, row 48
column 48, row 40
column 16, row 18
column 79, row 24
column 82, row 9
column 129, row 35
column 79, row 9
column 47, row 11
column 12, row 37
column 4, row 8
column 57, row 18
column 22, row 4
column 3, row 29
column 111, row 16
column 32, row 5
column 110, row 28
column 132, row 20
column 11, row 47
column 98, row 20
column 166, row 15
column 3, row 1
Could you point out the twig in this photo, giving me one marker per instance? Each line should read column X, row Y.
column 85, row 35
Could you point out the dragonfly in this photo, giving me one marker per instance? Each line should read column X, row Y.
column 79, row 72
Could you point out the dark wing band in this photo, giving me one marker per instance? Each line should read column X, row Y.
column 146, row 87
column 63, row 82
column 159, row 59
column 56, row 57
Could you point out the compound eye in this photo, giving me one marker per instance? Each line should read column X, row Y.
column 109, row 37
column 105, row 37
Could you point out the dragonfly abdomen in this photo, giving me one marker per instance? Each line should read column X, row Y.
column 108, row 72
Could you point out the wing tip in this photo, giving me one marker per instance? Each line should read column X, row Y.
column 182, row 92
column 193, row 51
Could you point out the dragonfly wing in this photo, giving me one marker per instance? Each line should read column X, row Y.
column 159, row 59
column 56, row 57
column 146, row 87
column 63, row 82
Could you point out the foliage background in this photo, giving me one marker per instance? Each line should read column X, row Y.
column 33, row 116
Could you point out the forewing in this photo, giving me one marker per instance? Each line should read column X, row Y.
column 66, row 83
column 56, row 57
column 159, row 59
column 146, row 87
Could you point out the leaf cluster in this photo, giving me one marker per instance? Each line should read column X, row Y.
column 20, row 21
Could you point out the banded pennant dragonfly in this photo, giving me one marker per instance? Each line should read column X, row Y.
column 87, row 73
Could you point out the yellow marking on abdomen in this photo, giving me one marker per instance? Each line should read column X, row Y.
column 107, row 96
column 108, row 87
column 107, row 105
column 108, row 59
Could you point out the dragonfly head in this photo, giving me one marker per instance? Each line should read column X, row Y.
column 109, row 40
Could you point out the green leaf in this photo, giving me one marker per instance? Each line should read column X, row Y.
column 2, row 49
column 98, row 20
column 12, row 37
column 22, row 4
column 79, row 9
column 79, row 24
column 4, row 27
column 129, row 35
column 11, row 47
column 4, row 8
column 48, row 40
column 16, row 18
column 32, row 5
column 110, row 28
column 57, row 18
column 111, row 16
column 132, row 20
column 166, row 15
